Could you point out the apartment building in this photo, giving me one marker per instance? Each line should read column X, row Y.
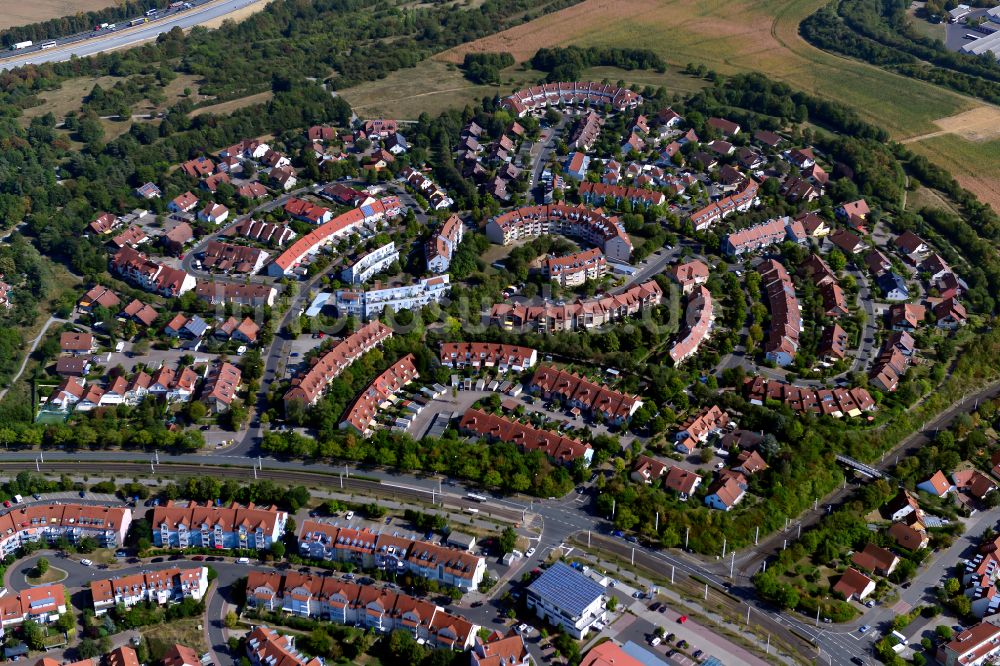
column 159, row 587
column 266, row 647
column 43, row 604
column 588, row 93
column 392, row 554
column 51, row 522
column 219, row 527
column 135, row 267
column 371, row 264
column 482, row 355
column 369, row 304
column 326, row 367
column 699, row 317
column 782, row 343
column 441, row 247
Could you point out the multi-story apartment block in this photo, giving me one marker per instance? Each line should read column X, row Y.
column 442, row 246
column 368, row 550
column 51, row 522
column 487, row 355
column 220, row 527
column 149, row 275
column 371, row 264
column 266, row 647
column 160, row 587
column 567, row 598
column 371, row 303
column 574, row 269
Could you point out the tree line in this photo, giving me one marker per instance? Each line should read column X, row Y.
column 568, row 63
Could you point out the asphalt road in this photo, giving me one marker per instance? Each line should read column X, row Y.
column 82, row 46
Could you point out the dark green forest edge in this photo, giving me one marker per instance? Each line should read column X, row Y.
column 879, row 32
column 343, row 42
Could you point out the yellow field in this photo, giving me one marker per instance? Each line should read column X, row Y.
column 19, row 13
column 974, row 164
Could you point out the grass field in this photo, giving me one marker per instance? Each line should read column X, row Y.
column 16, row 13
column 434, row 86
column 923, row 197
column 162, row 637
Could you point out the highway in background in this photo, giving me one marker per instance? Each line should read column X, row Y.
column 91, row 43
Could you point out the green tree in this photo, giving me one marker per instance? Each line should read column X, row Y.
column 508, row 540
column 42, row 567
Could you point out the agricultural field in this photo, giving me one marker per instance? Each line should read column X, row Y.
column 974, row 164
column 19, row 13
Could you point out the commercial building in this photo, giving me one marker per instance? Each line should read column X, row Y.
column 392, row 554
column 51, row 522
column 367, row 606
column 217, row 527
column 595, row 228
column 441, row 247
column 371, row 303
column 559, row 448
column 566, row 598
column 309, row 386
column 371, row 264
column 159, row 587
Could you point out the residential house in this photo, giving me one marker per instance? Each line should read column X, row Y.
column 725, row 494
column 647, row 470
column 689, row 275
column 682, row 481
column 854, row 585
column 76, row 344
column 893, row 287
column 213, row 213
column 184, row 203
column 696, row 430
column 875, row 559
column 937, row 485
column 568, row 599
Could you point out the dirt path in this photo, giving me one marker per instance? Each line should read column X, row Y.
column 27, row 356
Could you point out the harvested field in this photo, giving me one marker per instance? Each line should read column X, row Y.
column 237, row 15
column 223, row 108
column 68, row 97
column 980, row 124
column 20, row 13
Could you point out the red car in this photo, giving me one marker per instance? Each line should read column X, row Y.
column 682, row 619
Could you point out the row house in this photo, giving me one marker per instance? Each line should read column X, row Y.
column 276, row 235
column 245, row 331
column 558, row 448
column 838, row 402
column 383, row 389
column 173, row 385
column 690, row 275
column 578, row 316
column 438, row 198
column 309, row 386
column 218, row 527
column 699, row 318
column 571, row 93
column 578, row 391
column 371, row 303
column 833, row 343
column 51, row 522
column 697, row 429
column 756, row 237
column 365, row 606
column 266, row 647
column 221, row 386
column 135, row 267
column 392, row 554
column 371, row 264
column 745, row 198
column 782, row 343
column 342, row 225
column 575, row 269
column 591, row 226
column 481, row 355
column 443, row 244
column 246, row 295
column 585, row 132
column 158, row 587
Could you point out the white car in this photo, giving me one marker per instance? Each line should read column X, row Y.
column 86, row 563
column 656, row 641
column 531, row 551
column 350, row 515
column 522, row 629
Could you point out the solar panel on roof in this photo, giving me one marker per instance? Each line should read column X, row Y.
column 566, row 588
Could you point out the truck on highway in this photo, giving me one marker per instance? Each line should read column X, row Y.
column 138, row 21
column 48, row 45
column 175, row 5
column 152, row 11
column 20, row 45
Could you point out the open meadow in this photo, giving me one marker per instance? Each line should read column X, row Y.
column 20, row 13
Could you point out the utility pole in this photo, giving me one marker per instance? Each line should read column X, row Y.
column 687, row 533
column 706, row 591
column 157, row 455
column 723, row 546
column 37, row 469
column 633, row 556
column 254, row 471
column 784, row 544
column 347, row 471
column 767, row 648
column 41, row 455
column 817, row 615
column 799, row 535
column 672, row 569
column 614, row 505
column 588, row 538
column 748, row 613
column 756, row 536
column 732, row 564
column 763, row 568
column 657, row 528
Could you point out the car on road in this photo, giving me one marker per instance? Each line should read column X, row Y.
column 632, row 539
column 618, row 534
column 7, row 504
column 531, row 551
column 243, row 560
column 477, row 604
column 87, row 563
column 958, row 628
column 870, row 603
column 858, row 660
column 37, row 496
column 863, row 629
column 670, row 638
column 175, row 557
column 663, row 608
column 522, row 629
column 682, row 644
column 388, row 519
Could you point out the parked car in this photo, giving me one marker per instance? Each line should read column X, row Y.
column 682, row 619
column 863, row 629
column 86, row 563
column 656, row 641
